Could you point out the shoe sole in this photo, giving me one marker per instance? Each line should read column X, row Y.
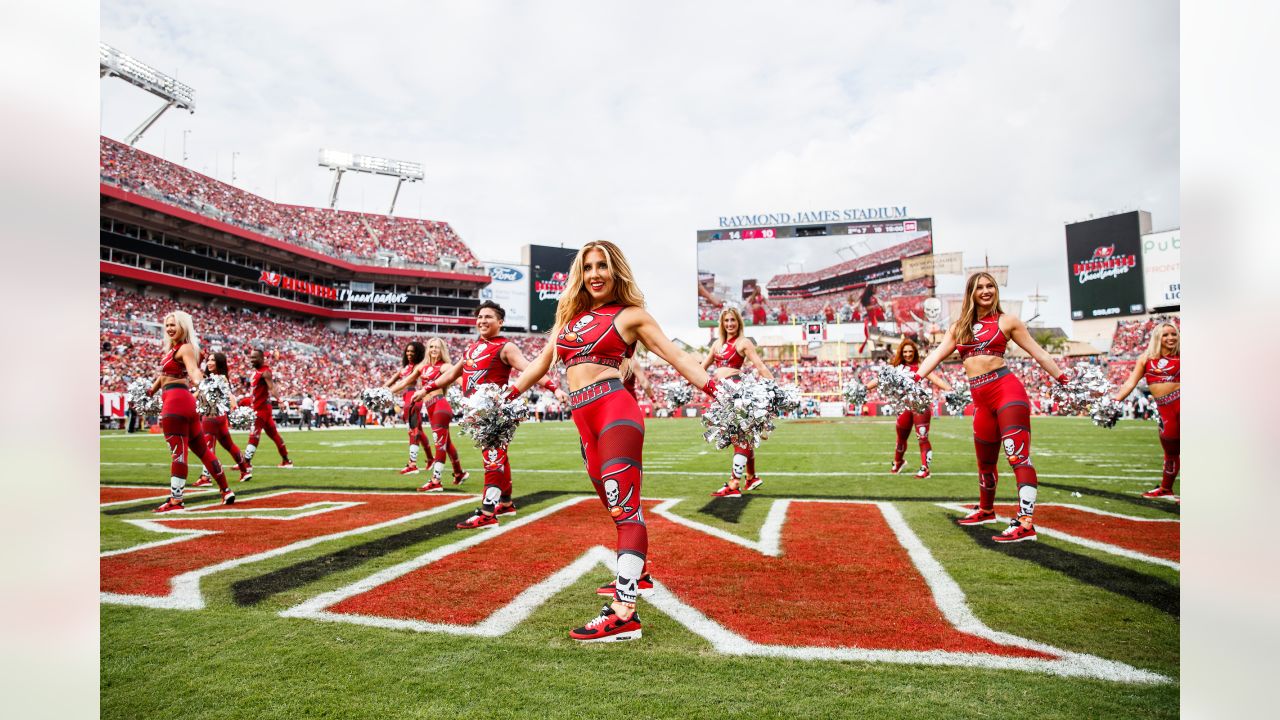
column 755, row 486
column 975, row 522
column 246, row 478
column 434, row 489
column 1007, row 542
column 628, row 635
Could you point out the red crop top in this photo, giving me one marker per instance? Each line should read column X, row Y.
column 170, row 365
column 1167, row 369
column 729, row 357
column 591, row 337
column 988, row 339
column 482, row 363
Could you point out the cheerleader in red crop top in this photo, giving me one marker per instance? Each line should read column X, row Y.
column 1002, row 419
column 217, row 428
column 262, row 387
column 490, row 358
column 430, row 402
column 908, row 356
column 1161, row 366
column 728, row 354
column 178, row 418
column 599, row 319
column 402, row 380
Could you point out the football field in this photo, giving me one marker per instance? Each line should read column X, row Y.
column 835, row 590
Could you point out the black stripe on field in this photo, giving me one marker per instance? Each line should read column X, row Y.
column 1132, row 584
column 1162, row 505
column 726, row 509
column 252, row 591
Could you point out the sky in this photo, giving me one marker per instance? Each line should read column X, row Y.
column 564, row 122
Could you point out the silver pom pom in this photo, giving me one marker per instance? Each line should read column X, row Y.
column 1085, row 388
column 958, row 399
column 454, row 396
column 377, row 399
column 489, row 419
column 898, row 386
column 678, row 393
column 855, row 393
column 742, row 412
column 242, row 418
column 142, row 403
column 214, row 397
column 786, row 398
column 1106, row 412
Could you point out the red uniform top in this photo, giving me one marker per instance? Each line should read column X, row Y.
column 728, row 356
column 913, row 367
column 988, row 339
column 591, row 337
column 1163, row 370
column 430, row 373
column 170, row 364
column 261, row 397
column 482, row 363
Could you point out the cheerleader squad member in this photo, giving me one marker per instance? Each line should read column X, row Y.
column 1003, row 414
column 908, row 355
column 179, row 368
column 413, row 355
column 263, row 388
column 728, row 354
column 433, row 404
column 217, row 427
column 489, row 359
column 599, row 319
column 1161, row 365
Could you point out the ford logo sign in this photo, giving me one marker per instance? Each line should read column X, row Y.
column 505, row 274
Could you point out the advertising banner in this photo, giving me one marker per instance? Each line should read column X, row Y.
column 1162, row 268
column 1104, row 266
column 999, row 272
column 509, row 287
column 548, row 273
column 917, row 267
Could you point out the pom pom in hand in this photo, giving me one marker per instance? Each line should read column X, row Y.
column 242, row 418
column 214, row 397
column 139, row 400
column 899, row 387
column 678, row 393
column 1077, row 395
column 786, row 398
column 1106, row 412
column 741, row 413
column 491, row 419
column 377, row 399
column 454, row 396
column 855, row 393
column 958, row 399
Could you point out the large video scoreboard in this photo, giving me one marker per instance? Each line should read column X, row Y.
column 1104, row 264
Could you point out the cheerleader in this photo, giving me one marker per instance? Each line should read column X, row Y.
column 413, row 354
column 599, row 320
column 217, row 428
column 179, row 368
column 1003, row 415
column 1161, row 366
column 907, row 355
column 438, row 411
column 728, row 354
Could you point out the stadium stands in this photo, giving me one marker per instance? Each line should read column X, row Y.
column 917, row 246
column 338, row 233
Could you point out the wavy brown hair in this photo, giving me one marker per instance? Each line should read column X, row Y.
column 962, row 329
column 576, row 299
column 897, row 354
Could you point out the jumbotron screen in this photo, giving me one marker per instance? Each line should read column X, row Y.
column 796, row 273
column 1104, row 262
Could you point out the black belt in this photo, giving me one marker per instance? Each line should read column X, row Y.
column 594, row 391
column 174, row 386
column 1165, row 400
column 983, row 379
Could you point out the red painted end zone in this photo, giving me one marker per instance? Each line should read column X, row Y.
column 108, row 494
column 150, row 570
column 1158, row 539
column 843, row 580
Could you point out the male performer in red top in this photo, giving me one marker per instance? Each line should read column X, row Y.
column 263, row 388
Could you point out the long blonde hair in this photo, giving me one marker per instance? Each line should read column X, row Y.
column 962, row 329
column 724, row 334
column 576, row 299
column 1155, row 348
column 444, row 350
column 188, row 328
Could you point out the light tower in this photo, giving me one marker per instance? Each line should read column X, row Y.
column 340, row 162
column 112, row 62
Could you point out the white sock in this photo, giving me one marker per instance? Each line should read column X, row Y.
column 413, row 454
column 249, row 450
column 739, row 465
column 630, row 567
column 1027, row 499
column 176, row 485
column 436, row 469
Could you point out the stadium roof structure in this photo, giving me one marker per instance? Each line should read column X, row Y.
column 113, row 63
column 340, row 162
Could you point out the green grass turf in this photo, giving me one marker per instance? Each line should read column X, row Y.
column 237, row 661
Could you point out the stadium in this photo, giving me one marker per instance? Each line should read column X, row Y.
column 801, row 572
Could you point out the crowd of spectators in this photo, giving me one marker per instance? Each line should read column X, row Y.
column 1132, row 336
column 840, row 305
column 339, row 233
column 918, row 246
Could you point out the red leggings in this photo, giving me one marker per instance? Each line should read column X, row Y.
column 217, row 431
column 1002, row 419
column 1170, row 436
column 906, row 420
column 183, row 432
column 612, row 429
column 265, row 422
column 440, row 414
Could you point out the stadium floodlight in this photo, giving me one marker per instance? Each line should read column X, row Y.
column 340, row 162
column 113, row 63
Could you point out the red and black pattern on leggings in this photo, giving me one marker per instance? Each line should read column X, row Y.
column 903, row 427
column 612, row 431
column 1002, row 420
column 1169, row 413
column 440, row 414
column 217, row 431
column 184, row 433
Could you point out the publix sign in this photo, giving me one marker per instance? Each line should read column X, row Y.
column 509, row 287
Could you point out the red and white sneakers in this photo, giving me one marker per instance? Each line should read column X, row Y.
column 203, row 481
column 478, row 520
column 978, row 517
column 608, row 627
column 505, row 509
column 1158, row 493
column 754, row 483
column 1016, row 532
column 896, row 466
column 432, row 486
column 228, row 497
column 170, row 506
column 923, row 472
column 727, row 491
column 644, row 587
column 247, row 474
column 457, row 479
column 410, row 469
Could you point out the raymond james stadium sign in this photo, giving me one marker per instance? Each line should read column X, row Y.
column 814, row 216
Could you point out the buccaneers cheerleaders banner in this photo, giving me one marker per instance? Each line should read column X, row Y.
column 1104, row 264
